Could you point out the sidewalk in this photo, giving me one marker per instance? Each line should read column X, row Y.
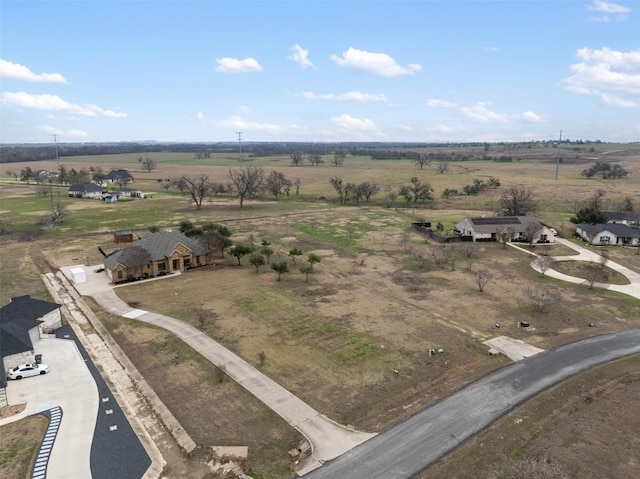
column 583, row 254
column 328, row 439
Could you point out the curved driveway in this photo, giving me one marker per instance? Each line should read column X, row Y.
column 632, row 289
column 328, row 439
column 407, row 448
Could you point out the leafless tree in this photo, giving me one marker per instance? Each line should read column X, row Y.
column 604, row 258
column 368, row 190
column 276, row 183
column 315, row 159
column 296, row 158
column 443, row 166
column 482, row 279
column 423, row 160
column 591, row 273
column 262, row 357
column 149, row 164
column 338, row 185
column 43, row 190
column 596, row 200
column 196, row 186
column 539, row 299
column 352, row 192
column 450, row 254
column 517, row 201
column 297, row 184
column 338, row 158
column 504, row 236
column 532, row 231
column 204, row 317
column 247, row 182
column 544, row 263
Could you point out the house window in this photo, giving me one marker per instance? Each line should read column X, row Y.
column 120, row 275
column 186, row 261
column 605, row 239
column 162, row 266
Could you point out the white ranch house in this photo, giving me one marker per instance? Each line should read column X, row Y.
column 614, row 234
column 489, row 228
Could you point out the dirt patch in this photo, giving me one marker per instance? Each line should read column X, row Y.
column 19, row 446
column 12, row 410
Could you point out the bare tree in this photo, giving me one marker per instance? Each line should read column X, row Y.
column 247, row 182
column 423, row 160
column 532, row 231
column 368, row 190
column 417, row 190
column 149, row 164
column 591, row 273
column 539, row 299
column 337, row 184
column 196, row 186
column 352, row 192
column 276, row 183
column 450, row 254
column 296, row 158
column 544, row 262
column 504, row 236
column 338, row 158
column 517, row 201
column 482, row 279
column 315, row 159
column 203, row 316
column 443, row 166
column 297, row 184
column 596, row 200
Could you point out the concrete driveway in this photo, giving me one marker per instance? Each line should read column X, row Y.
column 70, row 386
column 328, row 439
column 583, row 254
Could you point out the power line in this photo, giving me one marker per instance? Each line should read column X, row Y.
column 55, row 142
column 239, row 133
column 558, row 156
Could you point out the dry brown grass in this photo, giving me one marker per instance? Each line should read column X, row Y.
column 19, row 442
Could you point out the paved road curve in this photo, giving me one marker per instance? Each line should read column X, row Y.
column 409, row 447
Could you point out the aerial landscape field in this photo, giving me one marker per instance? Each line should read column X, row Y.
column 352, row 337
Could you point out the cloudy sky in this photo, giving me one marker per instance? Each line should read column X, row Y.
column 305, row 70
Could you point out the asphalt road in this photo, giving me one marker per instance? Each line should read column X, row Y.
column 407, row 448
column 116, row 451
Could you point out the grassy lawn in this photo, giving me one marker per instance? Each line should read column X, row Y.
column 19, row 443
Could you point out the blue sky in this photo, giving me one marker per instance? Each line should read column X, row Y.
column 374, row 70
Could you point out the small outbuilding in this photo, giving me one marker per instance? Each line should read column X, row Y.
column 78, row 276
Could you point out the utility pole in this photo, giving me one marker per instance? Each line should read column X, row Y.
column 558, row 156
column 55, row 142
column 239, row 133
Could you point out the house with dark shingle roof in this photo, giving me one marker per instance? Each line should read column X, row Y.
column 490, row 228
column 86, row 190
column 625, row 218
column 119, row 176
column 163, row 253
column 614, row 234
column 22, row 322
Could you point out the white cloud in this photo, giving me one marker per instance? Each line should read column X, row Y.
column 350, row 123
column 300, row 56
column 240, row 124
column 435, row 103
column 22, row 73
column 611, row 75
column 480, row 113
column 532, row 117
column 613, row 12
column 73, row 133
column 356, row 96
column 55, row 103
column 235, row 65
column 200, row 117
column 244, row 109
column 491, row 49
column 378, row 63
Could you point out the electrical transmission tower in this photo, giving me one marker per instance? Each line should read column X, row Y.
column 239, row 133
